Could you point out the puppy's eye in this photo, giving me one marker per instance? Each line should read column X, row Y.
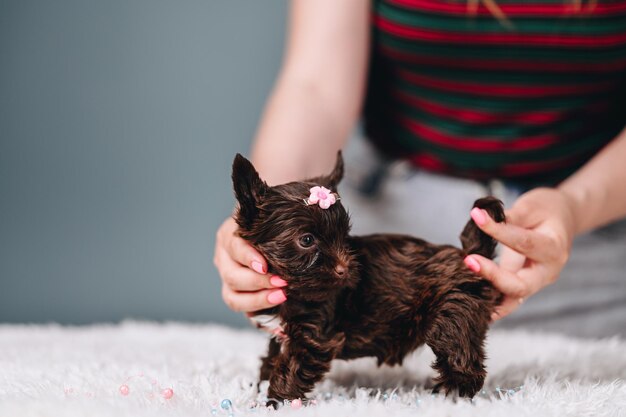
column 307, row 240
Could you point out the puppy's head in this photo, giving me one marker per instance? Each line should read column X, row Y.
column 303, row 243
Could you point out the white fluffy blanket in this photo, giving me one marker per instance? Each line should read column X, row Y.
column 77, row 371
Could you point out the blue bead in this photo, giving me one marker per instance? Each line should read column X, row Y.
column 213, row 411
column 226, row 404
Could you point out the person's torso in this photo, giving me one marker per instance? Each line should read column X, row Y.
column 532, row 97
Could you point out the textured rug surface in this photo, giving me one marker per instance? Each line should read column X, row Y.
column 78, row 371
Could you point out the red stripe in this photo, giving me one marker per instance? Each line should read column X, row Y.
column 428, row 162
column 526, row 168
column 425, row 132
column 477, row 116
column 520, row 9
column 485, row 117
column 598, row 65
column 499, row 38
column 504, row 90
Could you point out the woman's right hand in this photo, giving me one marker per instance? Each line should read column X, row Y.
column 317, row 99
column 246, row 285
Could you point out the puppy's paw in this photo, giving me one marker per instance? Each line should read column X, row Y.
column 274, row 403
column 463, row 385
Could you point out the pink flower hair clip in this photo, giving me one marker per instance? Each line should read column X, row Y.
column 321, row 196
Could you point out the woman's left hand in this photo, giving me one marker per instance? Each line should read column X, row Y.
column 537, row 239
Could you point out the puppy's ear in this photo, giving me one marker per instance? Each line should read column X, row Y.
column 335, row 177
column 249, row 191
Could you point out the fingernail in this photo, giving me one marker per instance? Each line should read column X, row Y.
column 258, row 267
column 277, row 281
column 472, row 263
column 276, row 297
column 479, row 216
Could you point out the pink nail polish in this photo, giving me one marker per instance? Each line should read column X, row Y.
column 258, row 267
column 472, row 263
column 479, row 216
column 276, row 297
column 277, row 281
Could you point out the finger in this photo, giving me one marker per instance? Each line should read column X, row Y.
column 524, row 213
column 519, row 215
column 243, row 253
column 537, row 276
column 252, row 301
column 511, row 260
column 241, row 278
column 509, row 305
column 527, row 242
column 506, row 281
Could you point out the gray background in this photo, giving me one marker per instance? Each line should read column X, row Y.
column 118, row 123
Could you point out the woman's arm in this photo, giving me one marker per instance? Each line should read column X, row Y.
column 319, row 92
column 314, row 106
column 597, row 192
column 543, row 222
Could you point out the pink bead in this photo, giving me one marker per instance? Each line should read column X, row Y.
column 124, row 390
column 297, row 403
column 167, row 393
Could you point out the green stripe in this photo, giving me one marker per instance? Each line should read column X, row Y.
column 511, row 77
column 547, row 54
column 504, row 131
column 501, row 2
column 495, row 103
column 469, row 159
column 566, row 25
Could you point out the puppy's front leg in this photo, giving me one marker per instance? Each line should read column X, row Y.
column 267, row 361
column 304, row 360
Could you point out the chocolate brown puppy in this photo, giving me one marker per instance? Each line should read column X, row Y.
column 380, row 295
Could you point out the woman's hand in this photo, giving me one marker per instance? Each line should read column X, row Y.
column 246, row 286
column 315, row 103
column 537, row 236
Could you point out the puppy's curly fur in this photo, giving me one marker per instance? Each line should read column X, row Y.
column 349, row 296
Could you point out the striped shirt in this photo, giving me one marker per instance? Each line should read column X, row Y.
column 469, row 96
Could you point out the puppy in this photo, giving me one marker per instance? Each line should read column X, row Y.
column 381, row 295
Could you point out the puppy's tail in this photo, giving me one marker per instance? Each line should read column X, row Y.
column 475, row 240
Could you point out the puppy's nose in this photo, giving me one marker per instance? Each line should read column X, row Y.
column 341, row 270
